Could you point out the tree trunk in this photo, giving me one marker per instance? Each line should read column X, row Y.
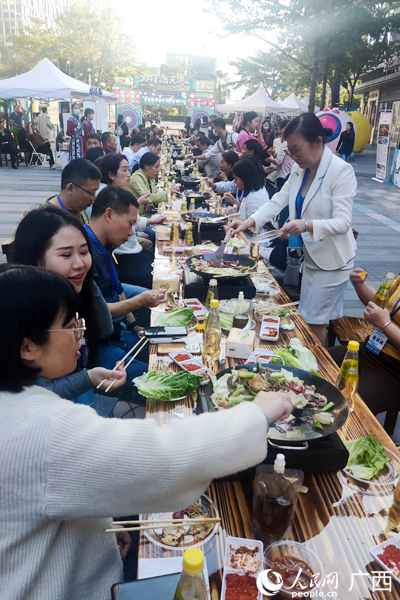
column 351, row 94
column 324, row 80
column 314, row 75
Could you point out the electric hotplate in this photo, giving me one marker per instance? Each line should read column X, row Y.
column 195, row 286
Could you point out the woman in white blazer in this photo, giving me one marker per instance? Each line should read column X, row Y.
column 319, row 192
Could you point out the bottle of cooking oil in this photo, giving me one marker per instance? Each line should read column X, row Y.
column 192, row 585
column 347, row 381
column 188, row 241
column 174, row 237
column 381, row 297
column 212, row 335
column 212, row 293
column 254, row 248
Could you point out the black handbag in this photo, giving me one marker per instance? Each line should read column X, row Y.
column 294, row 267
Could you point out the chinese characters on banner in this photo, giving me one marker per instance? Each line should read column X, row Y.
column 383, row 145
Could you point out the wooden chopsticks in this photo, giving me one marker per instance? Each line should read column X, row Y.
column 123, row 359
column 159, row 524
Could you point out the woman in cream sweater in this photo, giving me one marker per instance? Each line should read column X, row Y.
column 64, row 470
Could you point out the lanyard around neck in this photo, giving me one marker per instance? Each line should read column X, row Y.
column 61, row 203
column 107, row 258
column 300, row 199
column 395, row 309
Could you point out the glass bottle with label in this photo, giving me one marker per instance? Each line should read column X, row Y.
column 174, row 238
column 347, row 381
column 254, row 248
column 382, row 294
column 241, row 312
column 212, row 335
column 192, row 205
column 192, row 585
column 188, row 241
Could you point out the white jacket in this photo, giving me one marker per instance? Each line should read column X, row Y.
column 328, row 204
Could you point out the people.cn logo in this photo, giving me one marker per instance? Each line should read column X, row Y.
column 268, row 587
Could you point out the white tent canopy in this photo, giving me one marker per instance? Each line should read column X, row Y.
column 306, row 100
column 47, row 82
column 294, row 105
column 259, row 102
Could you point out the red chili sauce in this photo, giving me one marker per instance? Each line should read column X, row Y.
column 241, row 587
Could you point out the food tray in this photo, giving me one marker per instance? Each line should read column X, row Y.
column 375, row 550
column 200, row 312
column 265, row 286
column 202, row 368
column 269, row 330
column 233, row 542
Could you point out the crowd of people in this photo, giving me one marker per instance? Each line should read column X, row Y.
column 77, row 296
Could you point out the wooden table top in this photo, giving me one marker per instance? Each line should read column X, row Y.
column 336, row 520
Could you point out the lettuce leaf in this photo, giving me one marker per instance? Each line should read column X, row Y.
column 367, row 457
column 168, row 385
column 175, row 318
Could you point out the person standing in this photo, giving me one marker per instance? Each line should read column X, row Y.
column 17, row 114
column 7, row 145
column 227, row 141
column 319, row 192
column 346, row 142
column 87, row 126
column 44, row 124
column 76, row 133
column 251, row 123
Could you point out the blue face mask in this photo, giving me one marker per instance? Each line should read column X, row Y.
column 266, row 127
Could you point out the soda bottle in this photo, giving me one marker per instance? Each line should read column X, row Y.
column 212, row 293
column 212, row 335
column 347, row 381
column 381, row 297
column 192, row 585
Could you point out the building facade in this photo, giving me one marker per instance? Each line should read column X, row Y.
column 199, row 67
column 14, row 15
column 380, row 90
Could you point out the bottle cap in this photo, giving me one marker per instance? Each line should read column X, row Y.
column 279, row 464
column 390, row 276
column 214, row 303
column 193, row 561
column 213, row 282
column 200, row 327
column 353, row 346
column 241, row 295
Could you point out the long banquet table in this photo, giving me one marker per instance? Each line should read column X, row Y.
column 337, row 520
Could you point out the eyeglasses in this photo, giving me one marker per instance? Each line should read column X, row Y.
column 296, row 152
column 83, row 189
column 79, row 328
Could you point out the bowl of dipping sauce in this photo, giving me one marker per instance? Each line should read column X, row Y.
column 287, row 558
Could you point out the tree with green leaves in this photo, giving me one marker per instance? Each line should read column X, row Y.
column 90, row 37
column 312, row 25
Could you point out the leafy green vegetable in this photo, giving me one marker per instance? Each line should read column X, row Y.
column 168, row 385
column 226, row 320
column 279, row 313
column 296, row 355
column 175, row 318
column 367, row 457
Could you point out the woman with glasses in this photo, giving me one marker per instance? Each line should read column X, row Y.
column 319, row 193
column 65, row 471
column 54, row 240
